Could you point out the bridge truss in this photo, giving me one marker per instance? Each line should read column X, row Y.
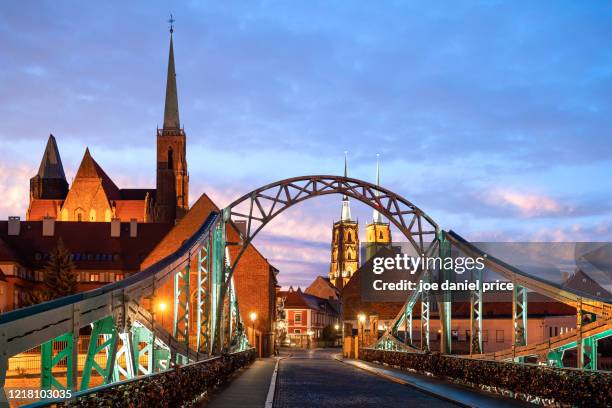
column 127, row 339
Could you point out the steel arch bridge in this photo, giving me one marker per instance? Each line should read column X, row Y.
column 128, row 341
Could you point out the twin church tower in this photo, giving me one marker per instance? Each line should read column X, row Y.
column 345, row 239
column 93, row 196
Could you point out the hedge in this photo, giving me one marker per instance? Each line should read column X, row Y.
column 580, row 388
column 177, row 387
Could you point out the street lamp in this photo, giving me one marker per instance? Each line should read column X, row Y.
column 336, row 326
column 362, row 318
column 162, row 308
column 253, row 316
column 309, row 333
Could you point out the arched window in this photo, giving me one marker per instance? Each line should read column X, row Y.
column 170, row 158
column 79, row 214
column 380, row 235
column 92, row 215
column 349, row 237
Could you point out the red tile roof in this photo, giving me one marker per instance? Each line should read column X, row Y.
column 40, row 208
column 89, row 242
column 128, row 209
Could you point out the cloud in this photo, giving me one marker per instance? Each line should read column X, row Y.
column 526, row 204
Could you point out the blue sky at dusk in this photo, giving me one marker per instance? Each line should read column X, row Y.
column 494, row 117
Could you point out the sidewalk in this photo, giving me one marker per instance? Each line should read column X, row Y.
column 461, row 395
column 249, row 389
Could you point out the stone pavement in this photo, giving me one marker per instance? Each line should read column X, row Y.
column 249, row 389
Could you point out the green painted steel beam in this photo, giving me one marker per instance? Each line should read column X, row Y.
column 48, row 361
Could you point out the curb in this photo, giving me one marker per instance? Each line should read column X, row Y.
column 403, row 382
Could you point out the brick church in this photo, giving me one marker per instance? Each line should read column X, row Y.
column 114, row 232
column 94, row 197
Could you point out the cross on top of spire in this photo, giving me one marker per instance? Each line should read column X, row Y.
column 171, row 21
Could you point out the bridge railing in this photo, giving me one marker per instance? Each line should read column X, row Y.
column 124, row 326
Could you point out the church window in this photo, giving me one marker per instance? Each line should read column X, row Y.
column 107, row 215
column 92, row 215
column 380, row 236
column 170, row 158
column 79, row 214
column 350, row 237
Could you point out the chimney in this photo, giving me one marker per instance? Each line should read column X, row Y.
column 14, row 225
column 115, row 228
column 241, row 225
column 48, row 226
column 133, row 228
column 565, row 276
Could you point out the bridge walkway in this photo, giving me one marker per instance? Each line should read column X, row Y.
column 248, row 389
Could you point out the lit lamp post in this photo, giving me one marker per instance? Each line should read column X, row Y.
column 162, row 308
column 336, row 327
column 309, row 333
column 253, row 317
column 361, row 318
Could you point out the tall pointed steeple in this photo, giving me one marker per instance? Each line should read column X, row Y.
column 50, row 181
column 51, row 163
column 376, row 216
column 346, row 207
column 171, row 113
column 172, row 195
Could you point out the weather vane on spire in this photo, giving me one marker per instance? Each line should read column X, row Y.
column 171, row 21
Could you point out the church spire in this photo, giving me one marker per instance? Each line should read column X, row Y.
column 171, row 113
column 376, row 216
column 346, row 208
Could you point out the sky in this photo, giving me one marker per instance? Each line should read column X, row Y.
column 493, row 117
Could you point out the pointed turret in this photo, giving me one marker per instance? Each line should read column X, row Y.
column 346, row 206
column 50, row 181
column 172, row 195
column 171, row 113
column 376, row 216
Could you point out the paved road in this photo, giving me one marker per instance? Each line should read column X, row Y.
column 314, row 378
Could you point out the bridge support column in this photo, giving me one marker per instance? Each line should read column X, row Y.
column 181, row 305
column 219, row 287
column 105, row 327
column 48, row 361
column 519, row 316
column 203, row 299
column 476, row 315
column 445, row 298
column 425, row 320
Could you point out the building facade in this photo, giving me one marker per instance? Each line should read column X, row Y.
column 94, row 197
column 345, row 244
column 311, row 321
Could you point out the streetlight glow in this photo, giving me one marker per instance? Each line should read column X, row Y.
column 162, row 306
column 362, row 318
column 336, row 326
column 253, row 316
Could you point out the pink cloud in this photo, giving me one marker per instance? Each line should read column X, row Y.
column 528, row 205
column 14, row 190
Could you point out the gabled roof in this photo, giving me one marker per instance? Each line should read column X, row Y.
column 51, row 164
column 89, row 169
column 584, row 283
column 296, row 299
column 136, row 193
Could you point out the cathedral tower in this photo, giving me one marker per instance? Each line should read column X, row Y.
column 345, row 244
column 378, row 232
column 50, row 181
column 172, row 196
